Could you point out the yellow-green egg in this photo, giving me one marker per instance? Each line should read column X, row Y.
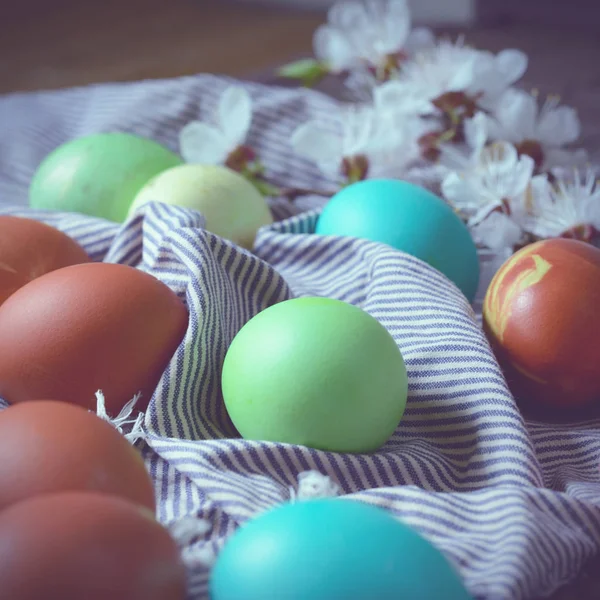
column 98, row 175
column 231, row 205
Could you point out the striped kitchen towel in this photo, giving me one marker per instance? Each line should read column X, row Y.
column 514, row 504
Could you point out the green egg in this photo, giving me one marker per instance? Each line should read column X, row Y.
column 98, row 175
column 317, row 372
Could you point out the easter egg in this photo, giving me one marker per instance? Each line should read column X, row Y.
column 331, row 550
column 49, row 446
column 317, row 372
column 99, row 174
column 10, row 282
column 231, row 205
column 408, row 218
column 541, row 317
column 29, row 249
column 83, row 545
column 96, row 326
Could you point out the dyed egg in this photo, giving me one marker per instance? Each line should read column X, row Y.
column 10, row 282
column 29, row 249
column 231, row 205
column 409, row 218
column 541, row 317
column 49, row 447
column 330, row 550
column 98, row 175
column 316, row 372
column 82, row 545
column 97, row 326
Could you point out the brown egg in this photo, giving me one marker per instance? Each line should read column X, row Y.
column 76, row 330
column 541, row 317
column 10, row 282
column 29, row 249
column 49, row 446
column 86, row 546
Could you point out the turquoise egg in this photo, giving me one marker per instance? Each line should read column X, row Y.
column 409, row 218
column 332, row 549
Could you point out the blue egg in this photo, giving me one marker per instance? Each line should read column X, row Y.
column 332, row 549
column 409, row 218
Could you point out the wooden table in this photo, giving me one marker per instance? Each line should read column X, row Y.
column 61, row 43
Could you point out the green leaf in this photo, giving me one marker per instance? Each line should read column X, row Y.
column 308, row 70
column 265, row 188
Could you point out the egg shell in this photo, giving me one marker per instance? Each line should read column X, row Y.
column 29, row 249
column 48, row 446
column 82, row 545
column 10, row 282
column 97, row 326
column 408, row 218
column 232, row 206
column 99, row 174
column 329, row 550
column 541, row 317
column 317, row 372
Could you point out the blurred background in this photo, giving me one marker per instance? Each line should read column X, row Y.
column 59, row 43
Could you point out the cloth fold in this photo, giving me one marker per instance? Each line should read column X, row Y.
column 514, row 504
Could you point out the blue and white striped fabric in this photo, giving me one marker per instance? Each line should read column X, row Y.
column 514, row 504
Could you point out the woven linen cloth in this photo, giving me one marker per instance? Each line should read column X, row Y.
column 515, row 505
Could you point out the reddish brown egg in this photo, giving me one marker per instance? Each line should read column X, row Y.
column 29, row 249
column 85, row 546
column 541, row 317
column 10, row 282
column 49, row 446
column 76, row 330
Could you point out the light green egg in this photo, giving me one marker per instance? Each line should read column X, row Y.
column 98, row 175
column 316, row 372
column 231, row 205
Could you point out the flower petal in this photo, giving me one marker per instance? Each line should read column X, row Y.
column 455, row 157
column 511, row 65
column 559, row 126
column 343, row 15
column 331, row 47
column 501, row 156
column 464, row 76
column 516, row 113
column 394, row 23
column 507, row 175
column 476, row 132
column 460, row 193
column 522, row 175
column 235, row 115
column 395, row 97
column 202, row 144
column 311, row 141
column 358, row 131
column 497, row 232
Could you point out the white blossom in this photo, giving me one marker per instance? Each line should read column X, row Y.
column 467, row 155
column 543, row 132
column 497, row 232
column 481, row 78
column 564, row 208
column 367, row 143
column 496, row 182
column 204, row 143
column 367, row 33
